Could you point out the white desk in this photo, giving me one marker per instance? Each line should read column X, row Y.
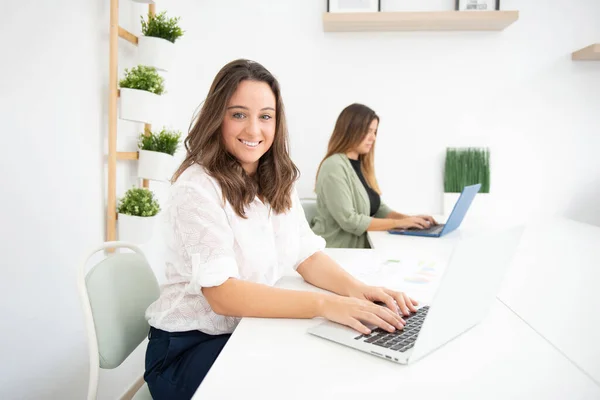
column 500, row 358
column 553, row 283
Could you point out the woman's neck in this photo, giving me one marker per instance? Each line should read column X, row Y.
column 353, row 155
column 250, row 168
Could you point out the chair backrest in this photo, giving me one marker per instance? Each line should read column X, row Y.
column 310, row 209
column 115, row 294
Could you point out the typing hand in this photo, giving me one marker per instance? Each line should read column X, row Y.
column 413, row 222
column 354, row 312
column 428, row 218
column 395, row 301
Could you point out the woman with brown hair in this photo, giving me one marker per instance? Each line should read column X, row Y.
column 233, row 225
column 348, row 196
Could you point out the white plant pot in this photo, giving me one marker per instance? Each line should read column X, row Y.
column 155, row 166
column 155, row 52
column 139, row 105
column 481, row 207
column 137, row 230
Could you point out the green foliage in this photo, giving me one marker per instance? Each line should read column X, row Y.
column 467, row 166
column 164, row 141
column 162, row 27
column 143, row 77
column 139, row 202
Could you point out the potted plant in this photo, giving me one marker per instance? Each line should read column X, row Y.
column 463, row 167
column 156, row 152
column 136, row 215
column 140, row 94
column 156, row 47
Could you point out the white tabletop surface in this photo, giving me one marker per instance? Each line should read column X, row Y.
column 501, row 358
column 553, row 283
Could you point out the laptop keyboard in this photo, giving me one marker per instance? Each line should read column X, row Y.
column 399, row 340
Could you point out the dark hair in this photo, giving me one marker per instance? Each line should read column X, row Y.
column 350, row 130
column 276, row 172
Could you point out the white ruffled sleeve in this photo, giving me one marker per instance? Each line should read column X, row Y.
column 202, row 234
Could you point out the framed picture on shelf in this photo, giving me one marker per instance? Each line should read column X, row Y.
column 347, row 6
column 477, row 5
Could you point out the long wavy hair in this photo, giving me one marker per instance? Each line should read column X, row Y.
column 351, row 127
column 205, row 146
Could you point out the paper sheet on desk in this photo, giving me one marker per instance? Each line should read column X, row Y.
column 418, row 277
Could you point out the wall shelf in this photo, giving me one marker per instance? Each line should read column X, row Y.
column 130, row 37
column 589, row 53
column 128, row 155
column 419, row 21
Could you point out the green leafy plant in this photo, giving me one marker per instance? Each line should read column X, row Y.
column 164, row 141
column 466, row 166
column 139, row 202
column 162, row 27
column 143, row 77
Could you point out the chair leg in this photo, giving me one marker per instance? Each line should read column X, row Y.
column 135, row 386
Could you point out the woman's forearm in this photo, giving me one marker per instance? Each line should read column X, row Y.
column 239, row 298
column 382, row 224
column 396, row 215
column 322, row 271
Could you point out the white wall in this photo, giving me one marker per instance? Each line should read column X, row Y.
column 516, row 91
column 53, row 102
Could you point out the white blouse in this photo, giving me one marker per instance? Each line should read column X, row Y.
column 208, row 243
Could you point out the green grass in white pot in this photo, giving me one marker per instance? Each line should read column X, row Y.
column 466, row 166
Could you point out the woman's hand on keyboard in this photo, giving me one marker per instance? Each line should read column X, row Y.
column 354, row 312
column 395, row 301
column 428, row 218
column 413, row 222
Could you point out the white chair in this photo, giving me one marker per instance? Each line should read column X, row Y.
column 115, row 294
column 310, row 208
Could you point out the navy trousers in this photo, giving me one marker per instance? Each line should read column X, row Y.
column 177, row 362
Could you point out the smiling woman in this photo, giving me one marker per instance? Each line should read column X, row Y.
column 240, row 137
column 234, row 224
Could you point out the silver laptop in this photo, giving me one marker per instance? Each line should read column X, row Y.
column 466, row 291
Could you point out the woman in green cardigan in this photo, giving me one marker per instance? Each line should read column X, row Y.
column 348, row 196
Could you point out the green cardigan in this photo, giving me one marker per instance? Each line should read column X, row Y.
column 343, row 205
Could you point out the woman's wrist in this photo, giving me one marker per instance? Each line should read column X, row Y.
column 398, row 223
column 319, row 304
column 356, row 289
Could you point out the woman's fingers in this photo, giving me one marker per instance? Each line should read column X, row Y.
column 416, row 224
column 402, row 298
column 359, row 314
column 357, row 326
column 404, row 309
column 428, row 218
column 392, row 315
column 386, row 298
column 374, row 319
column 424, row 222
column 410, row 303
column 389, row 316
